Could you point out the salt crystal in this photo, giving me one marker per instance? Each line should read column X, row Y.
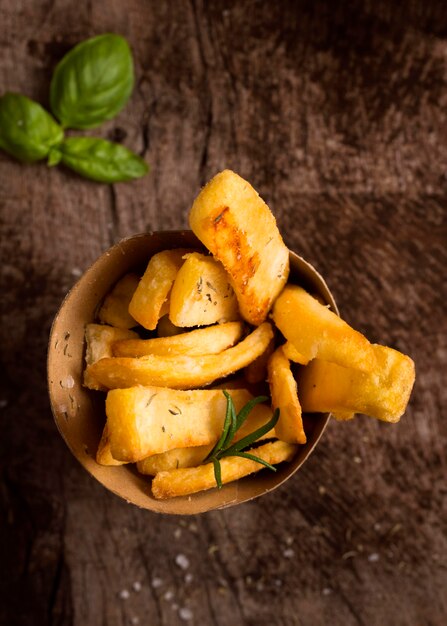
column 189, row 578
column 289, row 540
column 156, row 582
column 327, row 591
column 68, row 383
column 76, row 272
column 193, row 527
column 182, row 561
column 177, row 533
column 185, row 614
column 374, row 557
column 289, row 553
column 168, row 595
column 136, row 586
column 135, row 620
column 321, row 490
column 124, row 594
column 357, row 459
column 278, row 582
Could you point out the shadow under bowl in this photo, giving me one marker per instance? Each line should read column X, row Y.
column 79, row 413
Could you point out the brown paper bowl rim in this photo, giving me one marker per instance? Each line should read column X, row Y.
column 122, row 481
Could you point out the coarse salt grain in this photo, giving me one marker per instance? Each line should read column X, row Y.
column 124, row 594
column 168, row 595
column 289, row 553
column 373, row 558
column 185, row 614
column 182, row 561
column 68, row 383
column 156, row 582
column 189, row 578
column 136, row 586
column 327, row 591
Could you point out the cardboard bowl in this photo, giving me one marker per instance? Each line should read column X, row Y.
column 79, row 413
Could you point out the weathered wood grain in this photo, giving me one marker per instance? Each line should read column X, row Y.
column 336, row 112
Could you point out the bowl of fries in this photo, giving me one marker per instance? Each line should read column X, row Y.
column 173, row 362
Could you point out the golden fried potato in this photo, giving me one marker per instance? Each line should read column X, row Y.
column 315, row 331
column 189, row 457
column 153, row 289
column 202, row 294
column 382, row 393
column 99, row 339
column 210, row 340
column 238, row 228
column 104, row 454
column 283, row 390
column 293, row 355
column 182, row 482
column 179, row 372
column 142, row 421
column 115, row 308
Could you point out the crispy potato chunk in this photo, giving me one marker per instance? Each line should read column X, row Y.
column 99, row 339
column 115, row 308
column 182, row 482
column 210, row 340
column 153, row 289
column 189, row 457
column 143, row 421
column 104, row 454
column 179, row 372
column 382, row 393
column 315, row 331
column 202, row 293
column 293, row 355
column 238, row 228
column 283, row 390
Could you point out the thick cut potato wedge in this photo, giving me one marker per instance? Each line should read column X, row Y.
column 238, row 228
column 211, row 340
column 182, row 482
column 153, row 289
column 283, row 390
column 115, row 308
column 142, row 421
column 179, row 372
column 382, row 393
column 190, row 457
column 293, row 355
column 104, row 454
column 202, row 293
column 99, row 339
column 315, row 331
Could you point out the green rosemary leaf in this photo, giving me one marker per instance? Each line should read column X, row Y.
column 246, row 410
column 252, row 437
column 252, row 457
column 217, row 473
column 225, row 429
column 233, row 425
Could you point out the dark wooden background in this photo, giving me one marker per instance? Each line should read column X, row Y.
column 336, row 113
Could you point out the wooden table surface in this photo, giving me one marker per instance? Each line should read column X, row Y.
column 336, row 113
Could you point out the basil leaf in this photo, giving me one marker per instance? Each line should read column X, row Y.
column 27, row 131
column 93, row 82
column 101, row 160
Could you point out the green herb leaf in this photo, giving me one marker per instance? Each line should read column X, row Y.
column 93, row 82
column 252, row 457
column 27, row 131
column 101, row 160
column 252, row 437
column 231, row 424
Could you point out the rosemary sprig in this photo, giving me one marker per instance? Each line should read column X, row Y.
column 231, row 425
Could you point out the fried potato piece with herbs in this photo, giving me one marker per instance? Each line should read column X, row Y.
column 202, row 293
column 179, row 372
column 383, row 393
column 148, row 303
column 115, row 308
column 236, row 225
column 99, row 339
column 210, row 340
column 143, row 421
column 182, row 482
column 189, row 457
column 316, row 332
column 283, row 390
